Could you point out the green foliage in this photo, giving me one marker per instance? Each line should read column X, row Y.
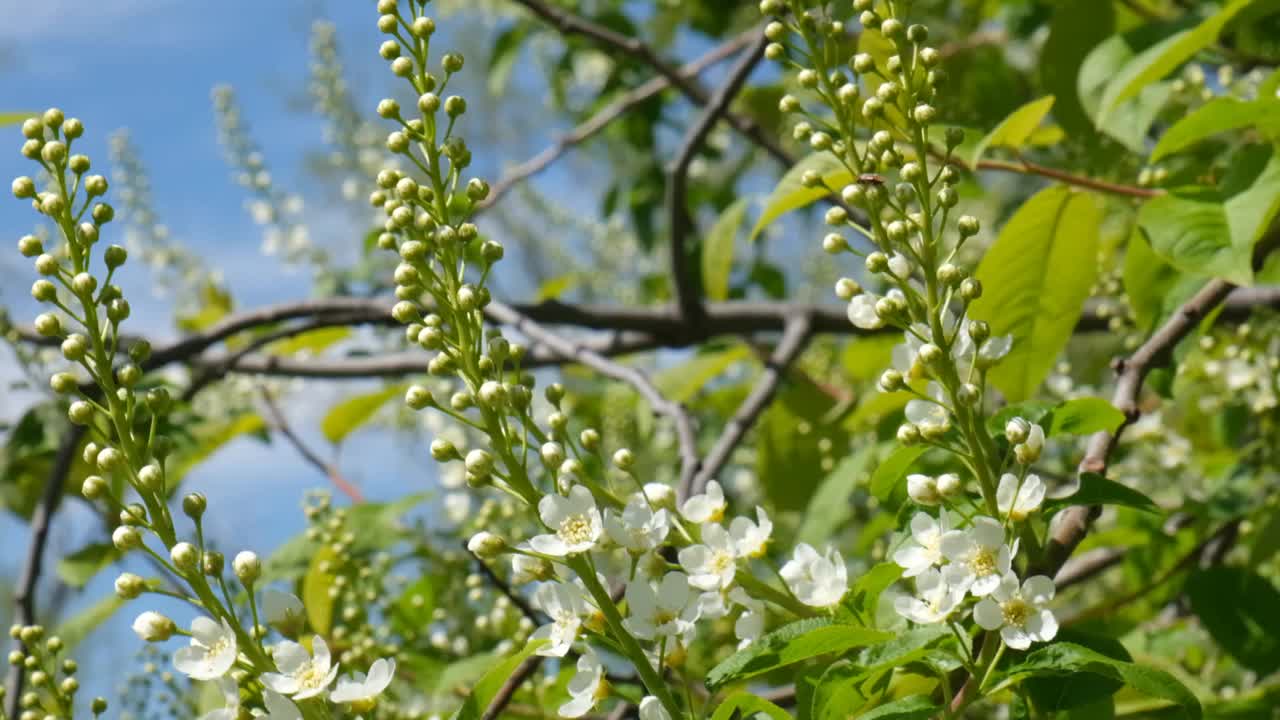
column 1097, row 490
column 791, row 644
column 717, row 250
column 1064, row 658
column 492, row 681
column 748, row 704
column 353, row 412
column 1014, row 131
column 790, row 194
column 1237, row 608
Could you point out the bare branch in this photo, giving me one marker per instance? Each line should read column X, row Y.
column 687, row 299
column 789, row 348
column 281, row 424
column 606, row 116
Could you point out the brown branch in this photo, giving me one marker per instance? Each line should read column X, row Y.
column 281, row 424
column 687, row 299
column 607, row 115
column 1071, row 525
column 508, row 690
column 571, row 24
column 576, row 351
column 505, row 588
column 1025, row 167
column 789, row 348
column 25, row 592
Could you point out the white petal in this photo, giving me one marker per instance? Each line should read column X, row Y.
column 987, row 614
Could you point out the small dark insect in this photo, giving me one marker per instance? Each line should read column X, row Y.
column 871, row 179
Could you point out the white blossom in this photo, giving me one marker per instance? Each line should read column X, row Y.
column 651, row 709
column 231, row 696
column 751, row 538
column 706, row 507
column 713, row 563
column 862, row 312
column 638, row 528
column 923, row 489
column 934, row 600
column 302, row 675
column 670, row 611
column 358, row 687
column 586, row 688
column 211, row 653
column 279, row 707
column 978, row 556
column 1019, row 613
column 816, row 580
column 750, row 624
column 929, row 413
column 566, row 605
column 924, row 549
column 1018, row 499
column 1028, row 451
column 282, row 608
column 574, row 521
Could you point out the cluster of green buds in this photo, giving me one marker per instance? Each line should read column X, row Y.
column 52, row 681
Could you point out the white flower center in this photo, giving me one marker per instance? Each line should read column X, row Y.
column 219, row 646
column 1016, row 612
column 983, row 561
column 312, row 676
column 721, row 561
column 575, row 529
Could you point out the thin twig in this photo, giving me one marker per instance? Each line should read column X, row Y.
column 1025, row 167
column 508, row 690
column 24, row 594
column 789, row 348
column 281, row 424
column 503, row 587
column 677, row 186
column 607, row 115
column 689, row 462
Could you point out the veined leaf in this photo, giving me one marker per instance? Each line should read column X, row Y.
column 1147, row 280
column 1097, row 490
column 791, row 195
column 1015, row 130
column 717, row 250
column 891, row 471
column 912, row 707
column 1080, row 416
column 830, row 507
column 1218, row 116
column 348, row 415
column 1164, row 57
column 748, row 704
column 1076, row 28
column 1237, row 607
column 1036, row 278
column 1203, row 231
column 791, row 644
column 1129, row 121
column 1064, row 658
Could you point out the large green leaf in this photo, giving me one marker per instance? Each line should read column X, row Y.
column 1147, row 280
column 1076, row 28
column 890, row 472
column 912, row 707
column 489, row 685
column 1218, row 116
column 1064, row 658
column 792, row 440
column 1036, row 278
column 13, row 118
column 316, row 585
column 745, row 705
column 1083, row 415
column 1213, row 231
column 717, row 250
column 1164, row 57
column 1128, row 122
column 1065, row 692
column 1238, row 608
column 791, row 644
column 831, row 506
column 348, row 415
column 790, row 194
column 1097, row 490
column 1015, row 130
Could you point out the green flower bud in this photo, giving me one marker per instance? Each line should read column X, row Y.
column 118, row 310
column 133, row 514
column 93, row 487
column 477, row 189
column 877, row 262
column 872, row 108
column 99, row 705
column 836, row 216
column 891, row 380
column 87, row 232
column 109, row 459
column 892, row 28
column 212, row 563
column 75, row 347
column 418, row 397
column 103, row 213
column 590, row 439
column 406, row 312
column 151, row 478
column 947, row 197
column 423, row 27
column 479, row 462
column 930, row 354
column 398, row 142
column 970, row 289
column 388, row 7
column 979, row 331
column 455, row 105
column 73, row 128
column 53, row 118
column 917, row 34
column 389, row 49
column 54, row 152
column 194, row 504
column 772, row 7
column 247, row 567
column 79, row 164
column 1017, row 430
column 908, row 434
column 63, row 383
column 31, row 149
column 924, row 113
column 185, row 557
column 84, row 284
column 30, row 246
column 47, row 324
column 443, row 450
column 775, row 51
column 847, row 288
column 126, row 538
column 129, row 586
column 624, row 459
column 968, row 225
column 492, row 251
column 554, row 394
column 33, row 128
column 929, row 57
column 486, row 545
column 387, row 23
column 834, row 243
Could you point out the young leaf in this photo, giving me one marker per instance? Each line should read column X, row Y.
column 1097, row 490
column 75, row 630
column 491, row 682
column 315, row 590
column 789, row 463
column 1080, row 416
column 13, row 118
column 1147, row 280
column 348, row 415
column 1128, row 122
column 1218, row 116
column 791, row 195
column 1014, row 131
column 1164, row 57
column 865, row 594
column 791, row 644
column 1238, row 609
column 1064, row 658
column 893, row 469
column 830, row 507
column 912, row 707
column 80, row 566
column 745, row 705
column 682, row 382
column 1036, row 279
column 1078, row 690
column 717, row 251
column 1213, row 232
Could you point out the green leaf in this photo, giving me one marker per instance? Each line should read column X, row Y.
column 1238, row 609
column 1264, row 542
column 1128, row 123
column 1064, row 658
column 380, row 528
column 1028, row 290
column 211, row 438
column 13, row 118
column 1213, row 231
column 1083, row 415
column 556, row 286
column 80, row 566
column 489, row 685
column 1077, row 690
column 791, row 195
column 791, row 644
column 315, row 590
column 1076, row 28
column 864, row 595
column 348, row 415
column 749, row 705
column 75, row 630
column 312, row 341
column 1015, row 130
column 506, row 50
column 890, row 472
column 792, row 440
column 912, row 707
column 1147, row 280
column 1218, row 116
column 1097, row 490
column 831, row 507
column 416, row 603
column 1164, row 57
column 717, row 250
column 682, row 382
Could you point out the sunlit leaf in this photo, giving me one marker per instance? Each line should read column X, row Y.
column 351, row 413
column 717, row 250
